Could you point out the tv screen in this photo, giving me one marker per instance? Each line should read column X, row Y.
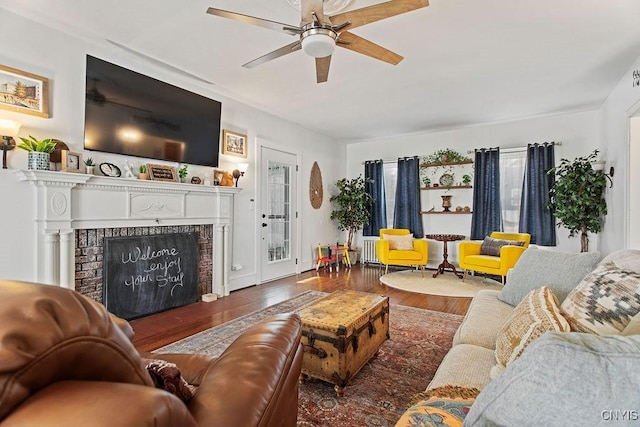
column 136, row 115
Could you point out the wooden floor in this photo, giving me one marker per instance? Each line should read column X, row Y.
column 160, row 329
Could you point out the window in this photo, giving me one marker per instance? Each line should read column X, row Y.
column 390, row 180
column 512, row 164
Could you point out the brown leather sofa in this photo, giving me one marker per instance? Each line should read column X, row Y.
column 66, row 361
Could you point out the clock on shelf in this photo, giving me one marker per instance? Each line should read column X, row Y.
column 70, row 161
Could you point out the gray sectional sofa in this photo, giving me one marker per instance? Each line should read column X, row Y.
column 519, row 396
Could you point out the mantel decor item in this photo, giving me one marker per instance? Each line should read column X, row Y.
column 182, row 172
column 71, row 161
column 39, row 152
column 109, row 169
column 89, row 166
column 446, row 180
column 162, row 173
column 234, row 144
column 24, row 92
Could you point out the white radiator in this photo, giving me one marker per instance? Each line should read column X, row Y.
column 368, row 255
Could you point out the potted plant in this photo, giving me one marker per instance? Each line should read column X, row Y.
column 182, row 172
column 89, row 166
column 577, row 197
column 39, row 151
column 466, row 179
column 353, row 203
column 143, row 172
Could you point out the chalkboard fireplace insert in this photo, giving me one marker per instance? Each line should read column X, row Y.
column 143, row 275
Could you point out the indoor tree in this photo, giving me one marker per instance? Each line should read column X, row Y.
column 353, row 204
column 577, row 197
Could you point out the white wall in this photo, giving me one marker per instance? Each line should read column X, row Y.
column 61, row 58
column 578, row 133
column 623, row 102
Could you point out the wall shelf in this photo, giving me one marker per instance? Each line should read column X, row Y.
column 447, row 188
column 433, row 165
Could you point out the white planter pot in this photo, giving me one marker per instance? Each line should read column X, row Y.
column 90, row 170
column 37, row 160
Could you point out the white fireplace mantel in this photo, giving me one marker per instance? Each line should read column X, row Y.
column 65, row 202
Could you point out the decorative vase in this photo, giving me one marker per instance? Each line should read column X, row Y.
column 446, row 202
column 90, row 170
column 38, row 160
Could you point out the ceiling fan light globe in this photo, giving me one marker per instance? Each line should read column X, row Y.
column 318, row 45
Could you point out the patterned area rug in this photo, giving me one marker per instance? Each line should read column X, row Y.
column 446, row 284
column 378, row 395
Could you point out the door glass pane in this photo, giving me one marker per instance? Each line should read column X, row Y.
column 279, row 216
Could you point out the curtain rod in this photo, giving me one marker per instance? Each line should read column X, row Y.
column 504, row 150
column 513, row 149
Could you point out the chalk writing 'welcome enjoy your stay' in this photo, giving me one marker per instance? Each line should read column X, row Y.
column 162, row 267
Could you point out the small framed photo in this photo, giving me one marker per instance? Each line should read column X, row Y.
column 162, row 173
column 70, row 161
column 24, row 92
column 234, row 144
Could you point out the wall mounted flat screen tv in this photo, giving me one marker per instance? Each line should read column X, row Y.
column 136, row 115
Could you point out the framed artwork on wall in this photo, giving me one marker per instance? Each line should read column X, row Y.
column 24, row 92
column 234, row 144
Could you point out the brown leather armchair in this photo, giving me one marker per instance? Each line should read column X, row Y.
column 65, row 361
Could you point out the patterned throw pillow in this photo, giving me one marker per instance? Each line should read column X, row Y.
column 402, row 242
column 442, row 406
column 491, row 246
column 536, row 314
column 604, row 302
column 166, row 376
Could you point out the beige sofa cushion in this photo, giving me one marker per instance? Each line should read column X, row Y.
column 537, row 313
column 483, row 321
column 465, row 365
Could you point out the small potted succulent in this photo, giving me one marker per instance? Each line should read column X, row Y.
column 143, row 172
column 89, row 166
column 39, row 152
column 466, row 179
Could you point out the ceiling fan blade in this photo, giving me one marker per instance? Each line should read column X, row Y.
column 284, row 50
column 378, row 12
column 308, row 7
column 322, row 69
column 365, row 47
column 265, row 23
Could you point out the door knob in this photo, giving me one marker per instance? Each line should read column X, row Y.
column 264, row 224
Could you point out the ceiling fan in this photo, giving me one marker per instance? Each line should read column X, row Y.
column 318, row 35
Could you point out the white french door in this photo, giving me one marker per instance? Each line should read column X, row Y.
column 278, row 217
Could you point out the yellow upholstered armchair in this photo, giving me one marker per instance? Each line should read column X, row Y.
column 398, row 247
column 495, row 255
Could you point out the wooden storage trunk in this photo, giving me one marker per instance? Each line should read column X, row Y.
column 340, row 333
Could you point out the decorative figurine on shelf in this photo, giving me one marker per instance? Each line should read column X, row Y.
column 128, row 170
column 446, row 202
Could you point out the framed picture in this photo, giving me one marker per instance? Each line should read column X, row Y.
column 234, row 144
column 162, row 173
column 70, row 161
column 24, row 92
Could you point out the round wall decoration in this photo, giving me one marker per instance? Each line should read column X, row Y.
column 315, row 186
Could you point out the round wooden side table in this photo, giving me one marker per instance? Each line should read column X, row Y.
column 444, row 238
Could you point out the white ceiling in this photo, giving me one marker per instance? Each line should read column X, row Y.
column 466, row 62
